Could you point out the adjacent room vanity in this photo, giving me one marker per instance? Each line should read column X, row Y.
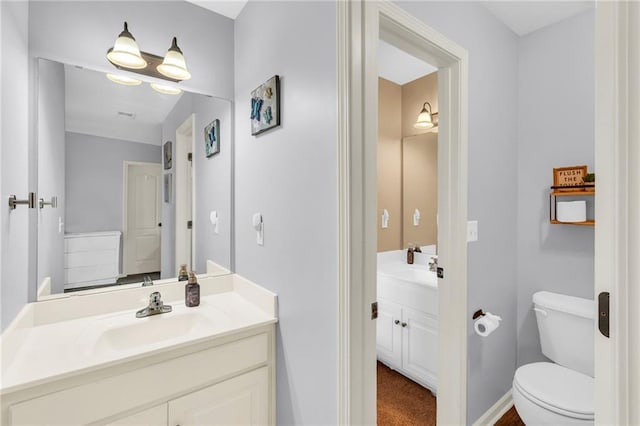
column 89, row 360
column 407, row 328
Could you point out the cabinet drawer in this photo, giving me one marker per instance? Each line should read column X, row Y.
column 159, row 382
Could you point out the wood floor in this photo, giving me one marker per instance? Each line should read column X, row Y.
column 510, row 418
column 403, row 402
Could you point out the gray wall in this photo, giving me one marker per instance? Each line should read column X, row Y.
column 289, row 175
column 206, row 38
column 51, row 172
column 212, row 184
column 493, row 94
column 14, row 146
column 555, row 128
column 94, row 180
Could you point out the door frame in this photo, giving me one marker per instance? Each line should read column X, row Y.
column 125, row 207
column 185, row 143
column 617, row 208
column 359, row 26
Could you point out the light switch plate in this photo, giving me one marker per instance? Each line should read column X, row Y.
column 472, row 231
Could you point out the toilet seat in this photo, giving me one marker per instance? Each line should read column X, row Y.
column 556, row 388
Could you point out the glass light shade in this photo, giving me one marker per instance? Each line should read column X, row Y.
column 125, row 51
column 174, row 65
column 424, row 121
column 167, row 90
column 123, row 79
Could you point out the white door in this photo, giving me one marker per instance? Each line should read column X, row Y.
column 184, row 194
column 142, row 218
column 420, row 345
column 617, row 210
column 243, row 400
column 389, row 333
column 156, row 416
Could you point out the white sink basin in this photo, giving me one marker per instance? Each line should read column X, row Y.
column 130, row 333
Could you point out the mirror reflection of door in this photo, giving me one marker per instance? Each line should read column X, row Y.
column 142, row 210
column 184, row 194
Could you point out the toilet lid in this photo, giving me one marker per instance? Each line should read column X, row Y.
column 557, row 388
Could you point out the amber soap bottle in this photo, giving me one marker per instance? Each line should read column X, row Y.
column 192, row 291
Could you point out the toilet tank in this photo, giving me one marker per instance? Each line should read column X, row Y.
column 566, row 326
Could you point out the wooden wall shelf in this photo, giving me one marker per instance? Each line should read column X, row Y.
column 578, row 191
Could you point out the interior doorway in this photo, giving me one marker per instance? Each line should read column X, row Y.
column 407, row 199
column 361, row 25
column 185, row 250
column 142, row 218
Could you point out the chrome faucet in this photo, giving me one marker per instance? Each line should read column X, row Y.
column 155, row 306
column 147, row 281
column 433, row 263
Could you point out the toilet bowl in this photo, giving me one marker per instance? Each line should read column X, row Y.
column 560, row 392
column 550, row 394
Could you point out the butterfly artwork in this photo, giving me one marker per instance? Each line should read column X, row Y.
column 212, row 138
column 265, row 106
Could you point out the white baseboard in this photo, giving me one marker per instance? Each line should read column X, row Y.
column 497, row 410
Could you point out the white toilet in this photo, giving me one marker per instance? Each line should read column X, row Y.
column 562, row 392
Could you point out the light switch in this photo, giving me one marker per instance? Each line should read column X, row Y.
column 472, row 231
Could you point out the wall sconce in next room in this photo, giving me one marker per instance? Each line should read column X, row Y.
column 126, row 55
column 427, row 120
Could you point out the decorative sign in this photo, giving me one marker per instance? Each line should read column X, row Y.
column 569, row 176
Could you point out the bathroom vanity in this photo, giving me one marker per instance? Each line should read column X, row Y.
column 89, row 360
column 407, row 327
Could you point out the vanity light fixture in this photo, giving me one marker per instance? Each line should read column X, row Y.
column 125, row 51
column 425, row 119
column 126, row 55
column 123, row 79
column 167, row 90
column 173, row 65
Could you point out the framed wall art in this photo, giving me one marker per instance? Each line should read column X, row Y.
column 265, row 106
column 167, row 151
column 212, row 138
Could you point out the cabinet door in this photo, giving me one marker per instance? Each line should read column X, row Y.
column 388, row 333
column 242, row 400
column 156, row 416
column 420, row 345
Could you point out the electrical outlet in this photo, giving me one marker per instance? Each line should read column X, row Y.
column 472, row 231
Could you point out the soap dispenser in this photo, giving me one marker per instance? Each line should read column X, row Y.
column 192, row 291
column 182, row 274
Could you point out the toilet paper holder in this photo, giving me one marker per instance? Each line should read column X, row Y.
column 477, row 314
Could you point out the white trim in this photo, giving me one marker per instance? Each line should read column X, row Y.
column 617, row 234
column 360, row 24
column 497, row 410
column 185, row 141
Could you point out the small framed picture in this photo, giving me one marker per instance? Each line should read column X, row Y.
column 212, row 138
column 265, row 106
column 168, row 187
column 167, row 150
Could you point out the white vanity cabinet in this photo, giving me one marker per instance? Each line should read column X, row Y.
column 407, row 329
column 229, row 383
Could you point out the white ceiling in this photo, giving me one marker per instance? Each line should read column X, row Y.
column 93, row 102
column 229, row 8
column 524, row 17
column 398, row 66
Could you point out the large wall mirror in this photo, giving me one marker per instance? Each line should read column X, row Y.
column 128, row 189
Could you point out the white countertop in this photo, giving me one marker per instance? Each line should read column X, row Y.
column 47, row 342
